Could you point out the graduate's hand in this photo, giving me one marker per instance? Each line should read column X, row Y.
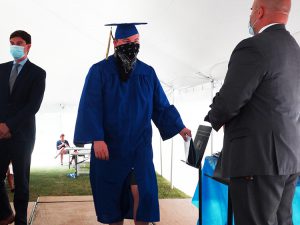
column 101, row 150
column 185, row 132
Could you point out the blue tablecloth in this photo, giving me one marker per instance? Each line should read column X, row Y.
column 215, row 197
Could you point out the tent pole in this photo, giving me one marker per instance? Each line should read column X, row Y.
column 161, row 162
column 172, row 141
column 200, row 195
column 62, row 106
column 212, row 132
column 172, row 186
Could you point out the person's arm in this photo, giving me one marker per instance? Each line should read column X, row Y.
column 165, row 116
column 67, row 143
column 32, row 105
column 246, row 70
column 59, row 145
column 89, row 123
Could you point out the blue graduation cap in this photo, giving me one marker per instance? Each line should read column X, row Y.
column 125, row 30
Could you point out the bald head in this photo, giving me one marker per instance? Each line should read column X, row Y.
column 265, row 12
column 276, row 6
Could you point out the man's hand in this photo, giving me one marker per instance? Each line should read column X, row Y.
column 185, row 132
column 101, row 151
column 4, row 130
column 8, row 135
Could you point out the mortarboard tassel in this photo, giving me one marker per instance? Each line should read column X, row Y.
column 108, row 46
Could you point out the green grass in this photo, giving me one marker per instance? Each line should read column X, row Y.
column 165, row 190
column 55, row 182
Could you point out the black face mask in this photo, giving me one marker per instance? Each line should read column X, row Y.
column 126, row 56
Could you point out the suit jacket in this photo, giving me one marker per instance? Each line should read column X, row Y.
column 259, row 104
column 18, row 109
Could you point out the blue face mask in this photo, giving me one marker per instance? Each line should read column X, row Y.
column 251, row 27
column 16, row 51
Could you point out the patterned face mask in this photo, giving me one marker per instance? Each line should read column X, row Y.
column 127, row 56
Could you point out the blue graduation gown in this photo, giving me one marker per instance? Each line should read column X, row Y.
column 120, row 114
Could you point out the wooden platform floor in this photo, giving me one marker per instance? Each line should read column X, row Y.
column 79, row 210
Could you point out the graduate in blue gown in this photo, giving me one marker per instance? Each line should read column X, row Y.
column 120, row 97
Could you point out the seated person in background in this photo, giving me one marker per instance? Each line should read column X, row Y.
column 10, row 178
column 60, row 146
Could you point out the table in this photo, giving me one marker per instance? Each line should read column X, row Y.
column 78, row 151
column 215, row 197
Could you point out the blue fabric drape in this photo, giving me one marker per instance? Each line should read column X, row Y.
column 215, row 197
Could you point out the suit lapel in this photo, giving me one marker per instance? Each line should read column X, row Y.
column 8, row 71
column 6, row 75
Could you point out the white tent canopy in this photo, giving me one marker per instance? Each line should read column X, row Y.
column 182, row 39
column 187, row 42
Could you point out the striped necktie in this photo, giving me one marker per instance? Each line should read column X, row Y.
column 13, row 76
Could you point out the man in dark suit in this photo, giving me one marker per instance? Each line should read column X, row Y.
column 22, row 86
column 259, row 106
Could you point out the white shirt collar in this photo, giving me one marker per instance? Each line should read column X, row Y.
column 265, row 27
column 22, row 62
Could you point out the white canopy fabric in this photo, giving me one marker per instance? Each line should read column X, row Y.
column 185, row 41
